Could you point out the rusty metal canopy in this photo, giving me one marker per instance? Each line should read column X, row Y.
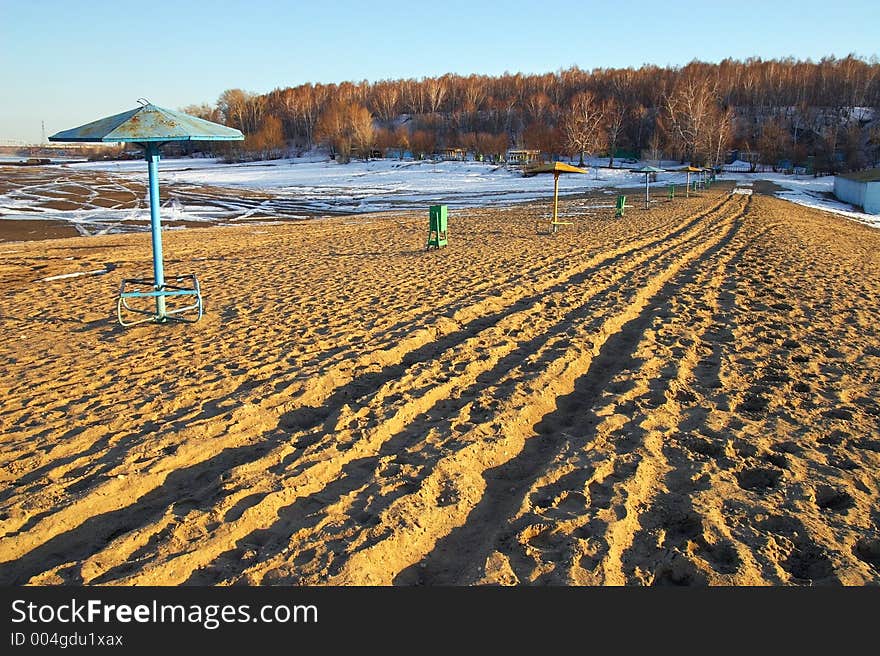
column 690, row 169
column 149, row 123
column 554, row 167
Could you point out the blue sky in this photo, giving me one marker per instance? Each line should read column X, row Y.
column 67, row 63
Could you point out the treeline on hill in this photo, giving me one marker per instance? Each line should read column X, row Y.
column 778, row 112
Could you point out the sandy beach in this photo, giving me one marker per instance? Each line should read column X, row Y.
column 687, row 395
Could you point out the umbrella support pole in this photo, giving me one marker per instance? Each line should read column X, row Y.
column 555, row 201
column 555, row 223
column 555, row 168
column 185, row 289
column 152, row 156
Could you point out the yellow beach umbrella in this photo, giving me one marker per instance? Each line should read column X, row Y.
column 689, row 169
column 556, row 168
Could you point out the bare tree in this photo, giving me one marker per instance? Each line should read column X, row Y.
column 829, row 104
column 267, row 142
column 415, row 98
column 346, row 127
column 401, row 140
column 332, row 130
column 688, row 110
column 719, row 136
column 474, row 92
column 655, row 144
column 775, row 142
column 309, row 104
column 361, row 123
column 582, row 125
column 204, row 111
column 232, row 106
column 543, row 137
column 537, row 106
column 384, row 140
column 386, row 100
column 422, row 142
column 436, row 91
column 615, row 117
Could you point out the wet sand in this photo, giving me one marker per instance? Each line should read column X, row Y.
column 34, row 230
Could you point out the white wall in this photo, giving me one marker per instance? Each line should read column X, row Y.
column 864, row 194
column 872, row 198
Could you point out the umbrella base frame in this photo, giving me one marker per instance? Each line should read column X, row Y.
column 164, row 291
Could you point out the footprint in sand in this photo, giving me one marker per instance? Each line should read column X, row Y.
column 833, row 499
column 868, row 551
column 808, row 562
column 758, row 479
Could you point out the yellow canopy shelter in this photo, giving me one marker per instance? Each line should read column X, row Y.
column 689, row 169
column 556, row 168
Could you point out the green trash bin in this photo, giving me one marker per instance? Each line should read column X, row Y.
column 620, row 206
column 437, row 227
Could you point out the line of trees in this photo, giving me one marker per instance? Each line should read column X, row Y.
column 769, row 110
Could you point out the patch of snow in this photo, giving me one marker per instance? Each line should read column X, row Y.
column 96, row 272
column 313, row 184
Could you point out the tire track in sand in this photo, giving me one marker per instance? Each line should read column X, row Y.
column 230, row 443
column 418, row 510
column 62, row 461
column 536, row 341
column 509, row 479
column 162, row 496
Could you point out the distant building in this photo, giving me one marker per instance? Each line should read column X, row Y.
column 457, row 154
column 522, row 157
column 861, row 188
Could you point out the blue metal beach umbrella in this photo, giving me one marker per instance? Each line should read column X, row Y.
column 150, row 127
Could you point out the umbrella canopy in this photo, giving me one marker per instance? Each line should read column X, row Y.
column 150, row 127
column 689, row 169
column 149, row 123
column 556, row 168
column 553, row 167
column 647, row 170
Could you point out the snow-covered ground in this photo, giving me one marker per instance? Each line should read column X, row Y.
column 313, row 186
column 378, row 184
